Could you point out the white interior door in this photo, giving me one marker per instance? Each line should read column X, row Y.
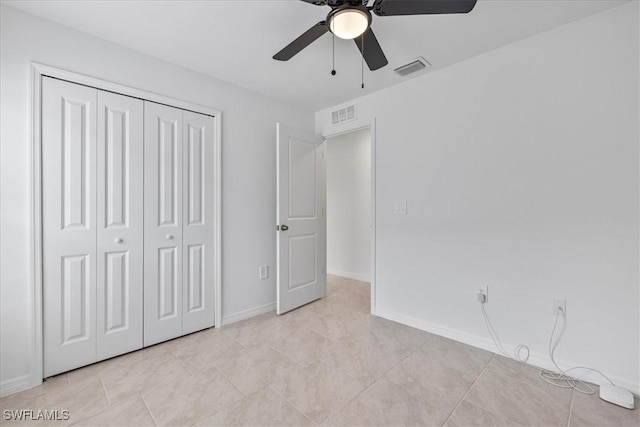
column 162, row 223
column 198, row 229
column 301, row 186
column 69, row 224
column 120, row 224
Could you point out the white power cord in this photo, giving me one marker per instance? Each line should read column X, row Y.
column 561, row 379
column 494, row 336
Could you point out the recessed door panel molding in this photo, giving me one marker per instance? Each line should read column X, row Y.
column 301, row 263
column 76, row 160
column 195, row 278
column 199, row 196
column 302, row 179
column 163, row 213
column 120, row 224
column 117, row 290
column 167, row 283
column 68, row 225
column 196, row 136
column 168, row 170
column 76, row 276
column 117, row 151
column 303, row 260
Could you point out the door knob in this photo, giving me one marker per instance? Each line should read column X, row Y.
column 118, row 240
column 169, row 237
column 283, row 227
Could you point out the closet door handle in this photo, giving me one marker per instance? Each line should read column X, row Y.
column 169, row 237
column 118, row 240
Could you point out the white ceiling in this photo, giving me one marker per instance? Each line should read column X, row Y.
column 235, row 40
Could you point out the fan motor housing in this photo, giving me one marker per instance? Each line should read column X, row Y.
column 345, row 7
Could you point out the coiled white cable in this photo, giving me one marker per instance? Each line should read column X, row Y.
column 561, row 379
column 494, row 336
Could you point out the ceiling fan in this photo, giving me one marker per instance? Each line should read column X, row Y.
column 351, row 19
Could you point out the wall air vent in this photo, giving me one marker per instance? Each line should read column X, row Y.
column 343, row 114
column 419, row 64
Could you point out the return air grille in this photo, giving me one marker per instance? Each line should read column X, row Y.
column 412, row 67
column 344, row 114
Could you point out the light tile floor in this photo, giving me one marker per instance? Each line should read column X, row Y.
column 329, row 363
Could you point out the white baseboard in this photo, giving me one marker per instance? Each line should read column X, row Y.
column 15, row 385
column 538, row 360
column 348, row 275
column 246, row 314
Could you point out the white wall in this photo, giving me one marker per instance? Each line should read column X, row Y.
column 248, row 159
column 521, row 171
column 349, row 204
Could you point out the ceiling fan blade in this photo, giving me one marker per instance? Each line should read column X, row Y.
column 372, row 52
column 421, row 7
column 317, row 2
column 301, row 42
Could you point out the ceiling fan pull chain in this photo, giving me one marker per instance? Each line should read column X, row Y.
column 362, row 61
column 333, row 54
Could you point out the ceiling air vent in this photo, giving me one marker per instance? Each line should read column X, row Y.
column 343, row 114
column 412, row 67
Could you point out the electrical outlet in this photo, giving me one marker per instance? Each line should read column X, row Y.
column 264, row 271
column 482, row 290
column 560, row 304
column 400, row 207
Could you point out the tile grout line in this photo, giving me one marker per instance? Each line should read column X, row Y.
column 104, row 389
column 232, row 383
column 339, row 411
column 287, row 357
column 292, row 405
column 146, row 405
column 99, row 413
column 469, row 390
column 197, row 423
column 367, row 387
column 340, row 370
column 182, row 363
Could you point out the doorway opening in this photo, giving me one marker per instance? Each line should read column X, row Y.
column 350, row 214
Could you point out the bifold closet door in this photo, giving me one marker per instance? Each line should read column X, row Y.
column 92, row 160
column 120, row 224
column 162, row 223
column 69, row 225
column 198, row 219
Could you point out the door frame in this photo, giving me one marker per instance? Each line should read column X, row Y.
column 36, row 279
column 361, row 125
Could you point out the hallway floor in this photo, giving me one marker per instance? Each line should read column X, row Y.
column 328, row 363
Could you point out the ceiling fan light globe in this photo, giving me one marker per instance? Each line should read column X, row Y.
column 349, row 23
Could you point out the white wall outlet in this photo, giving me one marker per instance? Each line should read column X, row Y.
column 560, row 304
column 400, row 207
column 482, row 290
column 264, row 271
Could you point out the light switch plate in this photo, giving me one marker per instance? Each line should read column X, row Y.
column 400, row 207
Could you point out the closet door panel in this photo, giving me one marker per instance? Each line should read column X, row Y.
column 69, row 224
column 198, row 228
column 162, row 223
column 120, row 224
